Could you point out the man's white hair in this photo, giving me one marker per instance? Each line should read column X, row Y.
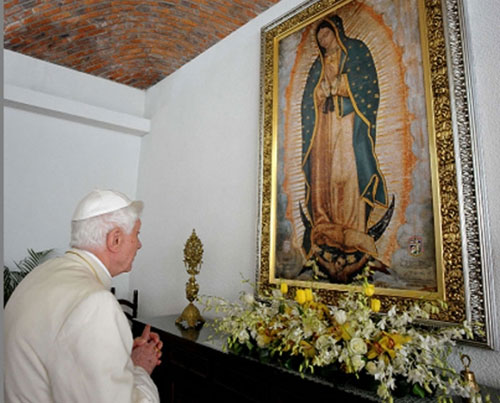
column 91, row 233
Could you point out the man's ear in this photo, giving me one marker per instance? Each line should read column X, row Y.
column 114, row 239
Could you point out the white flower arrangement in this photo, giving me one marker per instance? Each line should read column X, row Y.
column 350, row 337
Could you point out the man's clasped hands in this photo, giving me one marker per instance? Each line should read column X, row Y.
column 146, row 350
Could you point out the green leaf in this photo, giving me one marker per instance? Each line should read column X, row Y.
column 418, row 391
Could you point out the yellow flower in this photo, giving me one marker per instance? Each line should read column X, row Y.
column 388, row 344
column 263, row 340
column 375, row 304
column 341, row 332
column 369, row 290
column 308, row 349
column 322, row 308
column 300, row 296
column 399, row 340
column 345, row 334
column 309, row 294
column 284, row 288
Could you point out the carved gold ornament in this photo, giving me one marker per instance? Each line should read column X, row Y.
column 193, row 254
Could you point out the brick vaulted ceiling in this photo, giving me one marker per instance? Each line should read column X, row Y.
column 136, row 43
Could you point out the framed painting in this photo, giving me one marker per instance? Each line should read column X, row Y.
column 368, row 157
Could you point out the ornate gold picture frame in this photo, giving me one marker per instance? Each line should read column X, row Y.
column 368, row 157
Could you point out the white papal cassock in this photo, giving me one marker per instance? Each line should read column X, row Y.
column 67, row 339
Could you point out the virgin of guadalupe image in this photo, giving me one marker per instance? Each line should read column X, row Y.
column 343, row 179
column 354, row 179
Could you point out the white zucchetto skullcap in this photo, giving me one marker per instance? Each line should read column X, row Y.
column 100, row 202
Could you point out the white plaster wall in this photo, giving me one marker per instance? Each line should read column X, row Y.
column 199, row 166
column 199, row 170
column 33, row 74
column 51, row 161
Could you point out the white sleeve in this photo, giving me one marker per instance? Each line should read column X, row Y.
column 145, row 390
column 90, row 361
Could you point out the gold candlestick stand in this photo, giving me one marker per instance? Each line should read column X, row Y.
column 193, row 253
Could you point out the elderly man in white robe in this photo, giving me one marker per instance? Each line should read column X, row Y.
column 67, row 339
